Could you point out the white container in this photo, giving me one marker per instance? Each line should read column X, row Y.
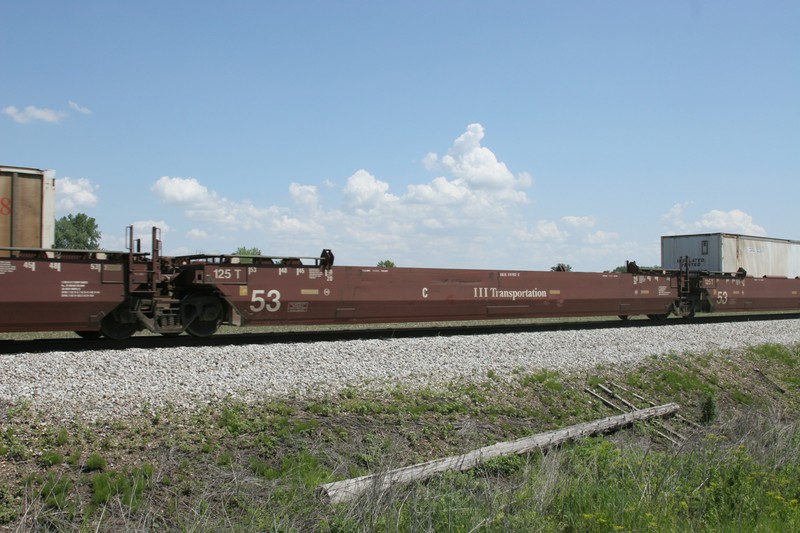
column 727, row 252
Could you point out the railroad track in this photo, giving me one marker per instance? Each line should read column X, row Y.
column 73, row 344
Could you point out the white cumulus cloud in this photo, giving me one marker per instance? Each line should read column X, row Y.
column 32, row 113
column 304, row 195
column 73, row 194
column 579, row 222
column 733, row 221
column 441, row 191
column 80, row 109
column 601, row 237
column 674, row 218
column 714, row 221
column 296, row 226
column 146, row 226
column 181, row 191
column 475, row 164
column 201, row 204
column 547, row 230
column 365, row 192
column 466, row 209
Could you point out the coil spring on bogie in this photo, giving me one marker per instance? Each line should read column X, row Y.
column 168, row 320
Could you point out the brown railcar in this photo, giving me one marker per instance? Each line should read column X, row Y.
column 49, row 290
column 729, row 294
column 118, row 293
column 278, row 294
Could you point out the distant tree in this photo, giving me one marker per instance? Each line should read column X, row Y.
column 635, row 267
column 242, row 250
column 77, row 232
column 561, row 267
column 386, row 263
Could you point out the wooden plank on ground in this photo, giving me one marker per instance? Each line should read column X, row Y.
column 341, row 491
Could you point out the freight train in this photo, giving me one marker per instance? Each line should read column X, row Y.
column 115, row 294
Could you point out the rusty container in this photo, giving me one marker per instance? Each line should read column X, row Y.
column 27, row 208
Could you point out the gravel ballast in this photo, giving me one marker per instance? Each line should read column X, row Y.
column 112, row 384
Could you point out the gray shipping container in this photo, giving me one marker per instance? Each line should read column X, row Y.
column 727, row 252
column 27, row 207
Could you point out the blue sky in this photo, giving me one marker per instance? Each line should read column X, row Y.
column 502, row 134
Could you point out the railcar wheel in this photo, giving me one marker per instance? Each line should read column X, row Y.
column 202, row 314
column 624, row 317
column 658, row 318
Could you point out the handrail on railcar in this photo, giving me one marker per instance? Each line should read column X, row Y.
column 20, row 252
column 324, row 261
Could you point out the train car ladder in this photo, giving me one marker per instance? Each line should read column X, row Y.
column 683, row 277
column 143, row 273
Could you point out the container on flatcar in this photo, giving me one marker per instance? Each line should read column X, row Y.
column 27, row 208
column 727, row 252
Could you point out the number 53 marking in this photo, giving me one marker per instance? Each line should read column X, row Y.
column 271, row 303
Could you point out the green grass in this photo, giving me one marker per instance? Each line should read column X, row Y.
column 129, row 486
column 777, row 353
column 95, row 462
column 254, row 467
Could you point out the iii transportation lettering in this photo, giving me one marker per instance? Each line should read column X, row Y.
column 492, row 292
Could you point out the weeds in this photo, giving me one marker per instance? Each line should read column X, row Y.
column 52, row 459
column 708, row 409
column 95, row 462
column 599, row 486
column 255, row 467
column 8, row 511
column 778, row 353
column 129, row 486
